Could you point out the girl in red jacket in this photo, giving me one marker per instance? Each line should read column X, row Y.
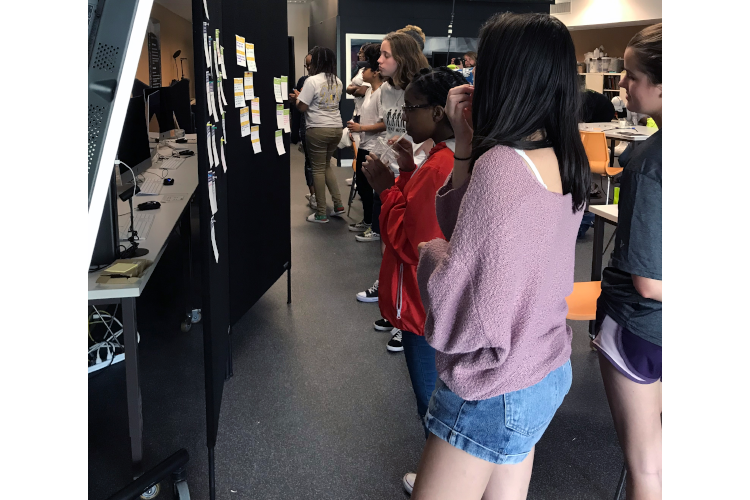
column 408, row 217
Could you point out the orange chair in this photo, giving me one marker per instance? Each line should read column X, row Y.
column 582, row 302
column 595, row 144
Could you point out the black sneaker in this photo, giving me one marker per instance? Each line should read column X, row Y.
column 383, row 325
column 369, row 295
column 395, row 345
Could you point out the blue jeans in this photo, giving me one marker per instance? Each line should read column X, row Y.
column 420, row 361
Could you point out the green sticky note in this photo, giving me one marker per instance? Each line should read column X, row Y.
column 278, row 133
column 286, row 112
column 277, row 81
column 217, row 35
column 284, row 79
column 279, row 107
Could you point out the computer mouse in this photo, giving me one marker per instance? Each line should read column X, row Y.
column 168, row 181
column 181, row 141
column 149, row 205
column 186, row 152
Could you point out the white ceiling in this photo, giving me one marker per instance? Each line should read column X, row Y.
column 182, row 8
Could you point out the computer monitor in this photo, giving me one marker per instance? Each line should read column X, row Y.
column 179, row 95
column 115, row 41
column 134, row 149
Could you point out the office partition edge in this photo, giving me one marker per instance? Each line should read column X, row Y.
column 113, row 127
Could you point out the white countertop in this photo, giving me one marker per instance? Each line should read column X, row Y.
column 167, row 216
column 609, row 212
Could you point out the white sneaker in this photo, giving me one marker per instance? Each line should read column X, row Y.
column 313, row 202
column 396, row 343
column 359, row 227
column 368, row 235
column 408, row 481
column 369, row 295
column 349, row 181
column 318, row 219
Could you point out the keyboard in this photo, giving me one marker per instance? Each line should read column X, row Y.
column 141, row 222
column 171, row 163
column 152, row 185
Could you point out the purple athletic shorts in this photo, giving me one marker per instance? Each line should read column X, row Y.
column 634, row 357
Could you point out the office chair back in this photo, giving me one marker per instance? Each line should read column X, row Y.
column 595, row 144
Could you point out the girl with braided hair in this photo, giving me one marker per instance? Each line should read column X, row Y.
column 408, row 217
column 319, row 101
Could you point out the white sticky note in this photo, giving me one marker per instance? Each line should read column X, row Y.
column 280, row 142
column 240, row 46
column 284, row 88
column 255, row 105
column 213, row 102
column 213, row 241
column 208, row 93
column 213, row 145
column 239, row 94
column 223, row 159
column 277, row 89
column 208, row 145
column 205, row 42
column 287, row 122
column 279, row 116
column 221, row 91
column 250, row 57
column 218, row 98
column 223, row 65
column 212, row 193
column 255, row 138
column 210, row 59
column 215, row 48
column 223, row 126
column 249, row 90
column 205, row 9
column 245, row 121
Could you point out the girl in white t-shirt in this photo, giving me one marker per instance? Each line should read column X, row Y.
column 319, row 101
column 369, row 128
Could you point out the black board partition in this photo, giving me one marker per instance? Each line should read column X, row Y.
column 251, row 226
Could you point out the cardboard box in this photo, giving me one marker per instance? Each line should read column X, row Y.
column 124, row 278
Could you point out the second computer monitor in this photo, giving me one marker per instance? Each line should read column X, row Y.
column 134, row 149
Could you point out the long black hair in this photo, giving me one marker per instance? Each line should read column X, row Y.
column 435, row 83
column 323, row 61
column 526, row 82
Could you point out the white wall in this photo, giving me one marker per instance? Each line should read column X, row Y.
column 586, row 14
column 298, row 20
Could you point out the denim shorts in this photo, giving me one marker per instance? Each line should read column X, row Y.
column 503, row 429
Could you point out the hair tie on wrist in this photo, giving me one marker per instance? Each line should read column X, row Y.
column 461, row 159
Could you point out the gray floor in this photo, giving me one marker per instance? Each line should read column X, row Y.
column 317, row 407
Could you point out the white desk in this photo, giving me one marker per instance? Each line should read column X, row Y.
column 609, row 212
column 613, row 131
column 166, row 218
column 604, row 214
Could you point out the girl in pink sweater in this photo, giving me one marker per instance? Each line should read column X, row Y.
column 494, row 292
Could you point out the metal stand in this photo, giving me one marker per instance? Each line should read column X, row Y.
column 288, row 267
column 230, row 371
column 211, row 474
column 132, row 384
column 621, row 483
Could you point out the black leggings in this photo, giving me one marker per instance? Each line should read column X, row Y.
column 363, row 187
